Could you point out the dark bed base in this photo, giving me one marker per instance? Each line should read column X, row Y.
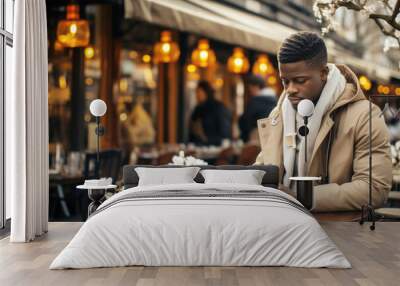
column 270, row 179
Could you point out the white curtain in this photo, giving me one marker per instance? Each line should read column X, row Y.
column 27, row 124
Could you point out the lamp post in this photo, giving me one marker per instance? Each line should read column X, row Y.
column 304, row 185
column 98, row 108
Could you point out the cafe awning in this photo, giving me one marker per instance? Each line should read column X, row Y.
column 212, row 20
column 221, row 22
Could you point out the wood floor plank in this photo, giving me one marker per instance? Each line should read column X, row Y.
column 375, row 258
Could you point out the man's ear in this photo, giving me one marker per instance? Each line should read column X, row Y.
column 324, row 73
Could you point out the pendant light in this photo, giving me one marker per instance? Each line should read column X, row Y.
column 73, row 32
column 203, row 56
column 263, row 66
column 237, row 62
column 166, row 51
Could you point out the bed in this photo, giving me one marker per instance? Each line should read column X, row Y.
column 201, row 224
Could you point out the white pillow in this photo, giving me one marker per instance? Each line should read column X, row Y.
column 163, row 176
column 248, row 177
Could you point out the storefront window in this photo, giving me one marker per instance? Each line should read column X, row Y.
column 149, row 103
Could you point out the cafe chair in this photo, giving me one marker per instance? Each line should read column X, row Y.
column 165, row 158
column 226, row 157
column 110, row 166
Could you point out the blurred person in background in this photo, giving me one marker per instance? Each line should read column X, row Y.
column 137, row 129
column 211, row 121
column 262, row 99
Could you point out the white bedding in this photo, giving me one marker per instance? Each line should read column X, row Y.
column 185, row 231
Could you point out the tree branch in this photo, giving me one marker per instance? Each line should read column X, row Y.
column 388, row 19
column 349, row 5
column 386, row 22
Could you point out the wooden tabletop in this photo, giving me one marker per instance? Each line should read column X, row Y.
column 338, row 216
column 63, row 179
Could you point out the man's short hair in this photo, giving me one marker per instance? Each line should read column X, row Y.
column 303, row 46
column 255, row 80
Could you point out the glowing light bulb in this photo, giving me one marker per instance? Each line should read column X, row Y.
column 166, row 48
column 73, row 29
column 263, row 67
column 239, row 62
column 203, row 55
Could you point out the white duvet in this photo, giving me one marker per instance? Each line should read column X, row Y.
column 200, row 231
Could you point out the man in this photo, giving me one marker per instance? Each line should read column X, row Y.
column 210, row 121
column 338, row 140
column 262, row 101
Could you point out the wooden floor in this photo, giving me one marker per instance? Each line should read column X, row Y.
column 375, row 257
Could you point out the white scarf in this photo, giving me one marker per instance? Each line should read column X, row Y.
column 332, row 90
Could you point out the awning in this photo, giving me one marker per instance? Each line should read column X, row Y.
column 221, row 22
column 213, row 20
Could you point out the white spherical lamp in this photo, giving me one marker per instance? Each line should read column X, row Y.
column 98, row 107
column 305, row 108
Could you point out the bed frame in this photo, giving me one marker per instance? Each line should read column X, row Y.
column 270, row 179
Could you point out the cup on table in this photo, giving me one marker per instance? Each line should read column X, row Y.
column 305, row 190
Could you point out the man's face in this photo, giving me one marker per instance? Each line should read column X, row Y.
column 303, row 81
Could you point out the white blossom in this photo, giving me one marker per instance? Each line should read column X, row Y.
column 324, row 11
column 390, row 43
column 177, row 160
column 397, row 19
column 397, row 146
column 372, row 7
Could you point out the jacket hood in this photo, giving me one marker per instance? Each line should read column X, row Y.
column 352, row 91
